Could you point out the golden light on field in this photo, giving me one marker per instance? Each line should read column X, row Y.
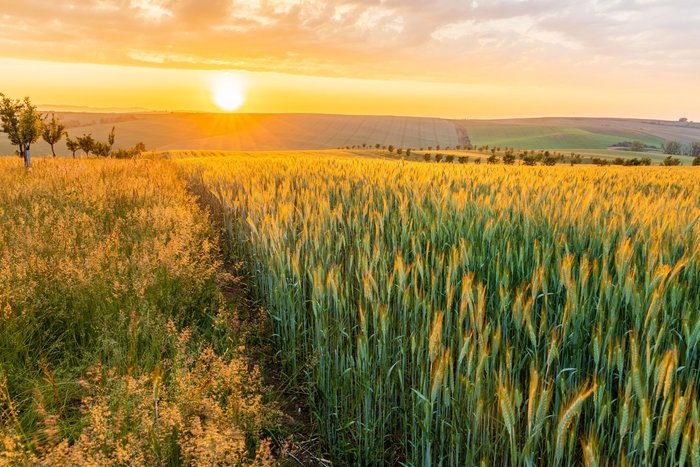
column 228, row 93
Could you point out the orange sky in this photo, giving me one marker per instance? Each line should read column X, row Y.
column 451, row 58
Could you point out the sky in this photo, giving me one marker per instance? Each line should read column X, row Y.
column 446, row 58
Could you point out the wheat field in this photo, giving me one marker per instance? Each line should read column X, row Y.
column 459, row 315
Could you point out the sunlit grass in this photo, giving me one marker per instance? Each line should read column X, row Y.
column 115, row 345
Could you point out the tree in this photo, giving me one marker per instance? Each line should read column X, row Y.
column 438, row 157
column 637, row 146
column 86, row 143
column 671, row 161
column 463, row 159
column 391, row 148
column 694, row 149
column 672, row 147
column 426, row 157
column 492, row 159
column 696, row 161
column 101, row 149
column 72, row 145
column 53, row 132
column 22, row 123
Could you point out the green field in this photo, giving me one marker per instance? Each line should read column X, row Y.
column 551, row 137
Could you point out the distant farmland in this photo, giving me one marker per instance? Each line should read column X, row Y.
column 576, row 133
column 275, row 132
column 250, row 132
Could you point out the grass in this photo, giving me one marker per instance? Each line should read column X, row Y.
column 452, row 314
column 116, row 343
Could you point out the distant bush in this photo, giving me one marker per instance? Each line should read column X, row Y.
column 550, row 159
column 492, row 159
column 449, row 158
column 575, row 159
column 529, row 160
column 509, row 158
column 671, row 161
column 636, row 146
column 438, row 157
column 463, row 159
column 696, row 161
column 129, row 153
column 426, row 157
column 598, row 161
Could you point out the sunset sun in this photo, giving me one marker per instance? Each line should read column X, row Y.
column 227, row 93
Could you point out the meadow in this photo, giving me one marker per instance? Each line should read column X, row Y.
column 117, row 344
column 447, row 314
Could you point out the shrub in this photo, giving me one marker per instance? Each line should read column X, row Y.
column 671, row 161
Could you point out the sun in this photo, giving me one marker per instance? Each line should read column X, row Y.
column 227, row 93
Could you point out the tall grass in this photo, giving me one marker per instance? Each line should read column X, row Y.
column 449, row 315
column 114, row 342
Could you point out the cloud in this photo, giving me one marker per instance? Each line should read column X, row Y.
column 449, row 40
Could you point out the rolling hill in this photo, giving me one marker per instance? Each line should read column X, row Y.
column 274, row 132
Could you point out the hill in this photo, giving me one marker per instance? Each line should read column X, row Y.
column 578, row 133
column 275, row 132
column 248, row 132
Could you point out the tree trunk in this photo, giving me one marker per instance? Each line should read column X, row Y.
column 27, row 159
column 52, row 151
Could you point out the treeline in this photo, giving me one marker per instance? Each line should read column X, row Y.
column 510, row 156
column 675, row 148
column 392, row 148
column 25, row 125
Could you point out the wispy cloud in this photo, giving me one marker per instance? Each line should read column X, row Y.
column 453, row 40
